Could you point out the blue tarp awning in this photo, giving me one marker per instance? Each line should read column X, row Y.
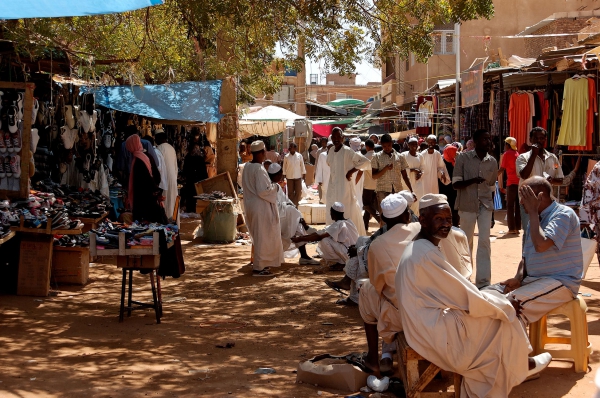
column 188, row 102
column 68, row 8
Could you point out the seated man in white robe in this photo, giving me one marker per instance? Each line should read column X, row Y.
column 290, row 219
column 357, row 266
column 448, row 321
column 378, row 304
column 334, row 240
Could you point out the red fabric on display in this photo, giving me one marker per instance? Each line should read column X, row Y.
column 519, row 114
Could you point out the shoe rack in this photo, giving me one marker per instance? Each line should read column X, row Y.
column 25, row 154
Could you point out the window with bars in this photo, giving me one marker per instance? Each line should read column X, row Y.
column 443, row 42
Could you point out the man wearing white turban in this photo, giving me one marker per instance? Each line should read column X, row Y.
column 433, row 167
column 344, row 163
column 262, row 216
column 452, row 324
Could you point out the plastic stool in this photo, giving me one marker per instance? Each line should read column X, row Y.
column 580, row 347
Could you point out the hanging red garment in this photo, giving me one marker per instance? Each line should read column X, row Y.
column 591, row 111
column 545, row 106
column 519, row 115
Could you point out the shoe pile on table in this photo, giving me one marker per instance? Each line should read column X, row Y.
column 214, row 195
column 136, row 234
column 82, row 240
column 36, row 211
column 78, row 202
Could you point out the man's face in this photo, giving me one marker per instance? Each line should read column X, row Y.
column 483, row 142
column 336, row 138
column 323, row 143
column 539, row 138
column 431, row 143
column 292, row 149
column 413, row 146
column 387, row 147
column 437, row 221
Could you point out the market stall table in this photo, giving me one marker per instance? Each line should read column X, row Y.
column 135, row 258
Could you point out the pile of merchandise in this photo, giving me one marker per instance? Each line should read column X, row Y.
column 136, row 234
column 82, row 240
column 214, row 195
column 78, row 202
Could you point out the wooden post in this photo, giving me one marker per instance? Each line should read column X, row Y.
column 227, row 128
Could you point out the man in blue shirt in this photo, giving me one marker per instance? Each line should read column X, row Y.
column 550, row 272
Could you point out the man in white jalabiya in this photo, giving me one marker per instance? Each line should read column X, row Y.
column 291, row 221
column 343, row 163
column 170, row 157
column 322, row 172
column 452, row 324
column 359, row 180
column 413, row 159
column 335, row 239
column 433, row 167
column 262, row 215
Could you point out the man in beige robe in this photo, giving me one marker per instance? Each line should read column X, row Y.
column 262, row 215
column 448, row 321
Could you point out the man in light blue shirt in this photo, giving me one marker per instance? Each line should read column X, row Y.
column 550, row 272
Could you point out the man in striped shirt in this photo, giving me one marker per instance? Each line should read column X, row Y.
column 550, row 272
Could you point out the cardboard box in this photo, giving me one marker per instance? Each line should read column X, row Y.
column 71, row 265
column 34, row 265
column 332, row 374
column 139, row 262
column 319, row 213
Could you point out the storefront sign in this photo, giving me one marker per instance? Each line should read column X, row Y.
column 471, row 86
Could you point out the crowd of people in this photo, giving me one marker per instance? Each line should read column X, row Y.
column 416, row 273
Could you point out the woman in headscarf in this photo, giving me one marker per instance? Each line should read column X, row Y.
column 144, row 194
column 450, row 160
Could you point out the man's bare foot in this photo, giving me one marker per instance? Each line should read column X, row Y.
column 371, row 362
column 343, row 284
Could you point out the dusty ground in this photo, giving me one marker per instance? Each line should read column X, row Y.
column 72, row 345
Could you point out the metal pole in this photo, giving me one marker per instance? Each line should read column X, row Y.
column 457, row 92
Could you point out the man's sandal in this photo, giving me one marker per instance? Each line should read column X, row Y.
column 264, row 272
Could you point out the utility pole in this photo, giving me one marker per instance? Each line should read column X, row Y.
column 457, row 92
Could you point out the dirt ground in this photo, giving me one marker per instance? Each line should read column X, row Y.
column 72, row 345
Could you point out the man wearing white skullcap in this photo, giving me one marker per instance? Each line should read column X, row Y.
column 414, row 159
column 322, row 172
column 433, row 167
column 262, row 215
column 378, row 304
column 290, row 220
column 439, row 306
column 335, row 239
column 344, row 163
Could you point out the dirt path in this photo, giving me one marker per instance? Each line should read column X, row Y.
column 72, row 345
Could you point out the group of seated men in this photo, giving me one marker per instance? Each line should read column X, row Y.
column 414, row 277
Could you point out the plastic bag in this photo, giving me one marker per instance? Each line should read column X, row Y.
column 497, row 198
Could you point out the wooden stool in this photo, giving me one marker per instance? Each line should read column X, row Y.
column 156, row 295
column 580, row 349
column 415, row 383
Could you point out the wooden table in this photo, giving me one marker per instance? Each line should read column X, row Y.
column 92, row 223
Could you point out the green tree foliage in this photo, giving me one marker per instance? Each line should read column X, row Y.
column 181, row 39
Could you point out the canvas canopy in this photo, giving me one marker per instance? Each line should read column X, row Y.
column 68, row 8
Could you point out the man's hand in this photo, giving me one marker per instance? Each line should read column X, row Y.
column 515, row 303
column 503, row 190
column 478, row 180
column 529, row 200
column 419, row 174
column 535, row 150
column 389, row 167
column 414, row 196
column 352, row 252
column 510, row 285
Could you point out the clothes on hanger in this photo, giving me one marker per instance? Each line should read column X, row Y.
column 575, row 106
column 519, row 116
column 591, row 111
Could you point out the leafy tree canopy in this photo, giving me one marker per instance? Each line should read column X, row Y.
column 178, row 40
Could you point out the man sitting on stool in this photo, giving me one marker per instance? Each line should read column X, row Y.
column 550, row 271
column 335, row 239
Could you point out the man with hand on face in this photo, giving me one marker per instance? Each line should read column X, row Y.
column 474, row 179
column 294, row 172
column 549, row 274
column 343, row 164
column 450, row 322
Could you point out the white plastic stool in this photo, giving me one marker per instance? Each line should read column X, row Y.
column 580, row 349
